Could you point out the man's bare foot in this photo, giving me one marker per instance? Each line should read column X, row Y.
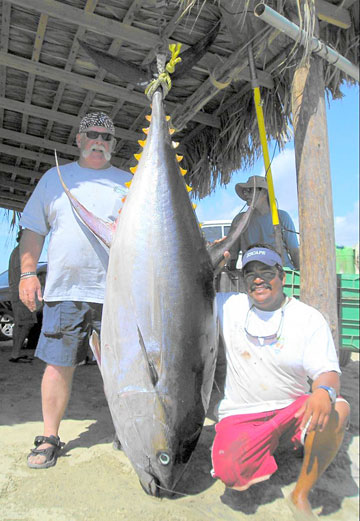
column 301, row 508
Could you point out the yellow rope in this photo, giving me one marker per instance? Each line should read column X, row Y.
column 164, row 80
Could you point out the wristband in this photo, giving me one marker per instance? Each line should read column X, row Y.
column 28, row 274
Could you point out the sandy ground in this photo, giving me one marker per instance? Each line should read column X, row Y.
column 93, row 482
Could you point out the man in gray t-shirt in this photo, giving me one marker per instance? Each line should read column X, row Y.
column 260, row 228
column 75, row 283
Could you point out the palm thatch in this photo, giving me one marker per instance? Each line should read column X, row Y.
column 47, row 80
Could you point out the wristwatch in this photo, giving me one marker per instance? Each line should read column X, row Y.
column 330, row 390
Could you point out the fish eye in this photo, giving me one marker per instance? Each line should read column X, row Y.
column 164, row 458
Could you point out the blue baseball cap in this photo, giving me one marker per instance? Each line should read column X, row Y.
column 263, row 255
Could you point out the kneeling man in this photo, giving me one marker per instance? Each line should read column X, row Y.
column 273, row 346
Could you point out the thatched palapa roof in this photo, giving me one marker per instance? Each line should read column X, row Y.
column 47, row 80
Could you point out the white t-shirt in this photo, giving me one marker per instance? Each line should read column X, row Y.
column 77, row 262
column 267, row 377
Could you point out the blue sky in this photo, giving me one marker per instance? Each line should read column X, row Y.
column 343, row 129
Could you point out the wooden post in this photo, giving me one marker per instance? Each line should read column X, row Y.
column 317, row 238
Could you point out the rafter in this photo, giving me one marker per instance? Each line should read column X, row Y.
column 59, row 117
column 9, row 204
column 47, row 158
column 22, row 172
column 86, row 83
column 92, row 22
column 39, row 38
column 4, row 45
column 101, row 73
column 8, row 183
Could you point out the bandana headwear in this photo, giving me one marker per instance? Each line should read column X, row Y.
column 96, row 119
column 263, row 255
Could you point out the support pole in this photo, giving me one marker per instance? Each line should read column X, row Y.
column 317, row 245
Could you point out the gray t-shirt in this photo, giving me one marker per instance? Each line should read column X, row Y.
column 76, row 260
column 261, row 231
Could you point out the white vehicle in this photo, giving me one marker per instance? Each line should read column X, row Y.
column 214, row 230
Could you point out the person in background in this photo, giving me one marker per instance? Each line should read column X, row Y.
column 273, row 345
column 75, row 283
column 260, row 228
column 24, row 319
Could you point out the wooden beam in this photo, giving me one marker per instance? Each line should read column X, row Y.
column 22, row 172
column 13, row 197
column 8, row 183
column 60, row 117
column 4, row 45
column 101, row 73
column 92, row 22
column 333, row 14
column 38, row 142
column 11, row 205
column 29, row 154
column 224, row 74
column 86, row 83
column 50, row 159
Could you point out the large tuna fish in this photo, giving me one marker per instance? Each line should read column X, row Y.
column 158, row 334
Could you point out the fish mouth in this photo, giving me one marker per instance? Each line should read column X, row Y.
column 151, row 486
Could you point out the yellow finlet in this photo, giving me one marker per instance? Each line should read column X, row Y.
column 179, row 158
column 141, row 143
column 133, row 169
column 167, row 118
column 200, row 225
column 175, row 144
column 148, row 117
column 188, row 188
column 194, row 206
column 183, row 171
column 137, row 157
column 171, row 131
column 128, row 184
column 145, row 130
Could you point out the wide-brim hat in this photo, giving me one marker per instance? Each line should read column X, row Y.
column 255, row 181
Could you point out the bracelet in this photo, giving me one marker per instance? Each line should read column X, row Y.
column 28, row 274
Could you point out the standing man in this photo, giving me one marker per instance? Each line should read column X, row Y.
column 260, row 228
column 75, row 283
column 273, row 344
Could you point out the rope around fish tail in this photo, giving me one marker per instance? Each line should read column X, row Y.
column 164, row 80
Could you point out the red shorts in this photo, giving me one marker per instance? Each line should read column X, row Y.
column 242, row 453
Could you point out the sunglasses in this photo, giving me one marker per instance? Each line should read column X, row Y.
column 250, row 190
column 266, row 275
column 264, row 340
column 94, row 134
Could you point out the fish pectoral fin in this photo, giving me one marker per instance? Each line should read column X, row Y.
column 216, row 249
column 95, row 346
column 153, row 374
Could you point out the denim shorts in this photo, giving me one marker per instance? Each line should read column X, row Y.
column 66, row 330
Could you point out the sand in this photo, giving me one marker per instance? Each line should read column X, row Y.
column 93, row 482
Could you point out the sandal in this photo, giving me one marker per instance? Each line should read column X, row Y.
column 22, row 359
column 51, row 453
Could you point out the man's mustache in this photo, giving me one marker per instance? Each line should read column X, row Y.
column 100, row 147
column 266, row 285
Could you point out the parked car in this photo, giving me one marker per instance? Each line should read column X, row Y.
column 214, row 230
column 6, row 314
